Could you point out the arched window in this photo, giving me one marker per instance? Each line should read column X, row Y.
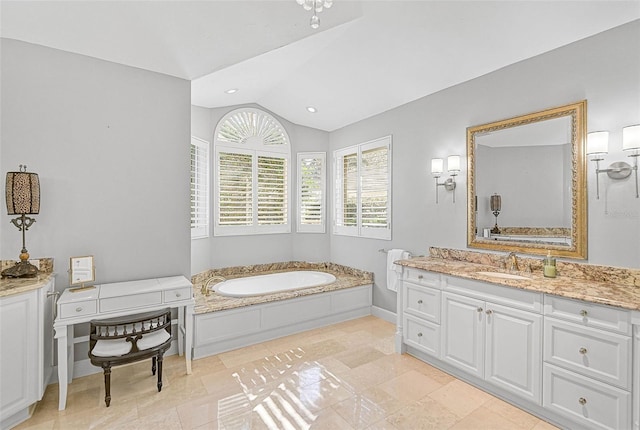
column 252, row 170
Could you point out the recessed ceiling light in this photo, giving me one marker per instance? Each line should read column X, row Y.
column 231, row 91
column 312, row 109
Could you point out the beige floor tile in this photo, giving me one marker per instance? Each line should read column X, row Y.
column 483, row 419
column 426, row 414
column 511, row 413
column 543, row 425
column 344, row 376
column 460, row 397
column 410, row 386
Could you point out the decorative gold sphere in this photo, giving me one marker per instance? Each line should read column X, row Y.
column 24, row 256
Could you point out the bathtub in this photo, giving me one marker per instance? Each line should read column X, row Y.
column 273, row 283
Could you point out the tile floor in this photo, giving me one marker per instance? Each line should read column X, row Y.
column 345, row 376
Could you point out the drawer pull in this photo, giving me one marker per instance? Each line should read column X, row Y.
column 78, row 309
column 178, row 294
column 479, row 310
column 583, row 313
column 583, row 351
column 582, row 401
column 419, row 334
column 420, row 301
column 420, row 276
column 489, row 312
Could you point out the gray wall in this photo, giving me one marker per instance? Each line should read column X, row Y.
column 603, row 69
column 226, row 251
column 111, row 146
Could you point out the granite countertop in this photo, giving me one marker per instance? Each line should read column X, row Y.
column 216, row 302
column 11, row 286
column 595, row 291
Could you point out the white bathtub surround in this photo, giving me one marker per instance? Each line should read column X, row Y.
column 226, row 323
column 273, row 283
column 394, row 271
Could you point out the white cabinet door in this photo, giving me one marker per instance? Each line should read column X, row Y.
column 463, row 333
column 513, row 356
column 19, row 352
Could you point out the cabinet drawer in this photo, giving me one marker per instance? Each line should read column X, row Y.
column 590, row 403
column 421, row 277
column 588, row 314
column 70, row 310
column 131, row 301
column 177, row 294
column 422, row 335
column 595, row 353
column 422, row 302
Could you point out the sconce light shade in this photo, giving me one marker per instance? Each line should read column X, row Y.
column 22, row 193
column 597, row 142
column 496, row 203
column 437, row 166
column 631, row 137
column 453, row 163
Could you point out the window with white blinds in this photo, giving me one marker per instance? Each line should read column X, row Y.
column 199, row 188
column 363, row 190
column 252, row 172
column 311, row 192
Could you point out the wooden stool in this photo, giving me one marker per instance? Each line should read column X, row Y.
column 127, row 339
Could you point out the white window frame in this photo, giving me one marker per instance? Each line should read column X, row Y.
column 359, row 230
column 302, row 226
column 256, row 148
column 201, row 229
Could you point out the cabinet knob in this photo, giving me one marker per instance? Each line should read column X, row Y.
column 419, row 334
column 178, row 294
column 78, row 309
column 479, row 310
column 583, row 313
column 420, row 301
column 488, row 312
column 582, row 401
column 420, row 276
column 583, row 351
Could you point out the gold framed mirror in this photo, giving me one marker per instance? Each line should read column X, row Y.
column 527, row 184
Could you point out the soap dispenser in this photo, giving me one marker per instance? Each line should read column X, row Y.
column 549, row 266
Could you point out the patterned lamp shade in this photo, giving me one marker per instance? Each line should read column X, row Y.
column 22, row 193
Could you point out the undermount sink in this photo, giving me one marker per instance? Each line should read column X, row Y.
column 502, row 275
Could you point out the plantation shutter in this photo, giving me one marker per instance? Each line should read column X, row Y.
column 199, row 188
column 311, row 192
column 375, row 192
column 235, row 189
column 272, row 190
column 363, row 190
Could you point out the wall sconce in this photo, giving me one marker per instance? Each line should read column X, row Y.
column 437, row 167
column 597, row 146
column 23, row 197
column 496, row 207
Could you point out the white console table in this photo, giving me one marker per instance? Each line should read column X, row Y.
column 119, row 299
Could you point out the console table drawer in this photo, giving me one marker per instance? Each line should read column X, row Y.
column 593, row 404
column 177, row 294
column 70, row 310
column 595, row 353
column 131, row 301
column 422, row 302
column 588, row 314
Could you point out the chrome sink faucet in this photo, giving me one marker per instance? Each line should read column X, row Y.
column 511, row 262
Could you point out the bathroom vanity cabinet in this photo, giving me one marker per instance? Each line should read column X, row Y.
column 566, row 360
column 26, row 350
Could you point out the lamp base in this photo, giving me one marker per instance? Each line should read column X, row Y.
column 495, row 230
column 23, row 269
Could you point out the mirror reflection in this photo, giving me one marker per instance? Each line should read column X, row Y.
column 527, row 184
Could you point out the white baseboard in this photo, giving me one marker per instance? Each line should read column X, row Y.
column 384, row 314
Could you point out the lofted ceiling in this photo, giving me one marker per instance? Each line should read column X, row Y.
column 367, row 56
